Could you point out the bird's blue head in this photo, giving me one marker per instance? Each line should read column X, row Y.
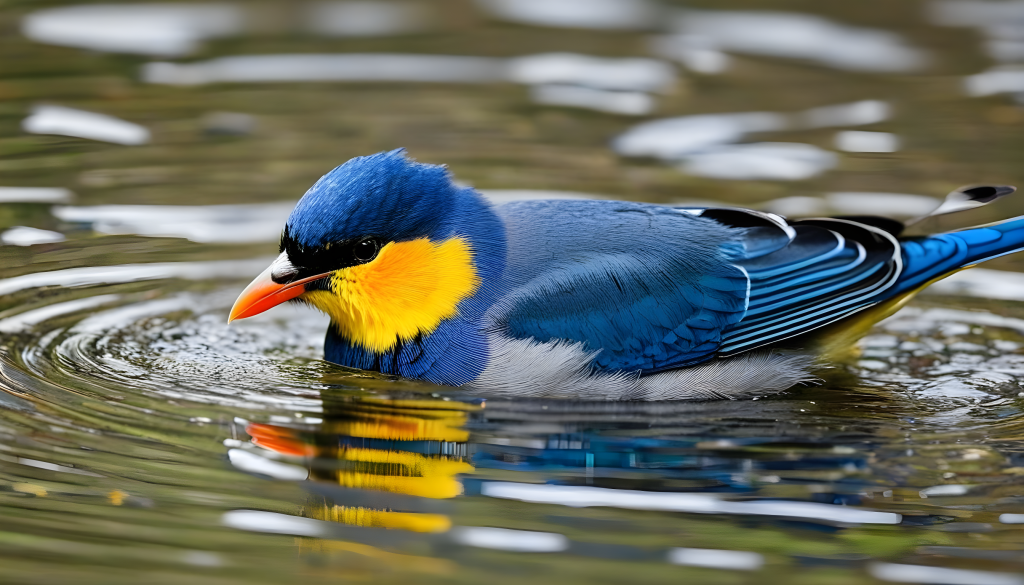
column 384, row 195
column 390, row 248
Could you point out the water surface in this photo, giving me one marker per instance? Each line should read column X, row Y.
column 144, row 167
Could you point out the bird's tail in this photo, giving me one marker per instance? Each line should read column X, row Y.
column 925, row 260
column 932, row 257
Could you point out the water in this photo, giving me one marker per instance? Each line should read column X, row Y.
column 144, row 440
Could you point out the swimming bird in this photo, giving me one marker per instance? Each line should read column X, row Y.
column 427, row 279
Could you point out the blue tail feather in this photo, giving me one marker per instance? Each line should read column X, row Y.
column 927, row 258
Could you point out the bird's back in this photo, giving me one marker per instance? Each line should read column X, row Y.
column 653, row 288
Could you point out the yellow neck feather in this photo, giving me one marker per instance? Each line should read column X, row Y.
column 407, row 290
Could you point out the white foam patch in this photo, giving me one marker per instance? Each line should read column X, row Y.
column 618, row 86
column 1001, row 79
column 82, row 124
column 705, row 143
column 592, row 14
column 675, row 138
column 800, row 36
column 612, row 74
column 198, row 558
column 696, row 53
column 861, row 141
column 365, row 18
column 148, row 29
column 866, row 202
column 716, row 559
column 854, row 203
column 509, row 540
column 777, row 161
column 698, row 503
column 353, row 67
column 625, row 74
column 35, row 195
column 860, row 113
column 796, row 206
column 274, row 523
column 29, row 236
column 627, row 103
column 253, row 463
column 898, row 573
column 199, row 223
column 945, row 490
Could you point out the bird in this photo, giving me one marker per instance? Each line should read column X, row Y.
column 427, row 279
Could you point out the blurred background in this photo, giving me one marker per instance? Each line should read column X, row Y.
column 150, row 152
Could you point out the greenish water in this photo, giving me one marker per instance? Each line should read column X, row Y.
column 144, row 440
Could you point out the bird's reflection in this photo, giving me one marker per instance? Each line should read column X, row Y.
column 384, row 471
column 374, row 461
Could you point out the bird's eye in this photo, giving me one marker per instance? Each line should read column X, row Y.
column 365, row 250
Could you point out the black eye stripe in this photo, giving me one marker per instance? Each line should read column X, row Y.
column 312, row 260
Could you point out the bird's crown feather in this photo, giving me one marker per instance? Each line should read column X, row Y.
column 386, row 194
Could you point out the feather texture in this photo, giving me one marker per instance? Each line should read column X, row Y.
column 651, row 287
column 561, row 369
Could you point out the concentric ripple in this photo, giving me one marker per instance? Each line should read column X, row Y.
column 178, row 346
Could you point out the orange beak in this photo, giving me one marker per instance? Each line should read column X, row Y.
column 263, row 293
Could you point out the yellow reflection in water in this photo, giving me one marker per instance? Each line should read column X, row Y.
column 410, row 447
column 358, row 516
column 405, row 427
column 424, row 487
column 401, row 472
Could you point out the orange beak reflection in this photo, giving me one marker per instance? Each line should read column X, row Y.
column 263, row 293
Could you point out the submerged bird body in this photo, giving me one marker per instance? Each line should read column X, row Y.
column 603, row 299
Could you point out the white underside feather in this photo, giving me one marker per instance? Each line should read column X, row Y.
column 563, row 369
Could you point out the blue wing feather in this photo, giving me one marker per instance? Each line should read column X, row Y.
column 642, row 313
column 651, row 287
column 811, row 246
column 822, row 291
column 654, row 288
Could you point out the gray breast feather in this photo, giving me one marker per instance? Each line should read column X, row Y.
column 528, row 368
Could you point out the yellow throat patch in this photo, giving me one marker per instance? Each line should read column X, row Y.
column 408, row 289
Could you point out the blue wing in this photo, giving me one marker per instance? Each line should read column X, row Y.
column 836, row 267
column 651, row 287
column 647, row 308
column 643, row 313
column 625, row 278
column 832, row 269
